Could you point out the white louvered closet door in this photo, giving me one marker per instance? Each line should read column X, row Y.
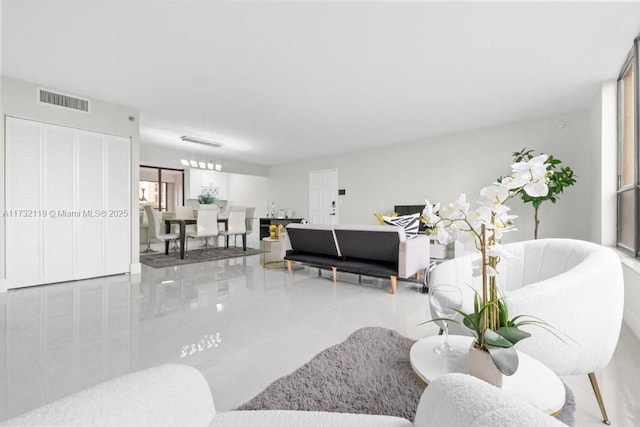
column 23, row 225
column 67, row 203
column 57, row 201
column 90, row 195
column 118, row 221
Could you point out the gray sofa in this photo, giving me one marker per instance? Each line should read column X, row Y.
column 369, row 250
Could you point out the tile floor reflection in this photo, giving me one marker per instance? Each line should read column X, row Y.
column 241, row 325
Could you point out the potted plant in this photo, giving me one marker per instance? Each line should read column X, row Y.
column 559, row 178
column 206, row 198
column 489, row 322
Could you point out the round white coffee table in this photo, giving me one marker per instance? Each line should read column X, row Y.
column 533, row 381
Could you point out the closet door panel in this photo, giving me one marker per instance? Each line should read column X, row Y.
column 90, row 198
column 118, row 200
column 23, row 195
column 58, row 201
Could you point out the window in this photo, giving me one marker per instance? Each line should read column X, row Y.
column 163, row 188
column 628, row 183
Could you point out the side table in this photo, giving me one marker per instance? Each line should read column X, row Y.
column 277, row 264
column 533, row 381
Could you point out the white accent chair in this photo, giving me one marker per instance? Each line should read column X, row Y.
column 575, row 286
column 154, row 227
column 236, row 225
column 207, row 226
column 179, row 395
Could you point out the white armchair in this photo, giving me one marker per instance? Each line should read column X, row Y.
column 178, row 395
column 575, row 286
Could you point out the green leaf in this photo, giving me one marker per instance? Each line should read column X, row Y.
column 512, row 334
column 505, row 359
column 496, row 340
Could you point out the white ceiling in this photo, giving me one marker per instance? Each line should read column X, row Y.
column 280, row 81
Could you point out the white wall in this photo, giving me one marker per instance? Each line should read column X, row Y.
column 19, row 99
column 603, row 144
column 440, row 168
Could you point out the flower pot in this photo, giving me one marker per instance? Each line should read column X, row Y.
column 273, row 235
column 481, row 366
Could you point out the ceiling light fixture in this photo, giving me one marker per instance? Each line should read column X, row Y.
column 211, row 164
column 200, row 141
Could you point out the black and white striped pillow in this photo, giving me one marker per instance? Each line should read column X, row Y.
column 410, row 223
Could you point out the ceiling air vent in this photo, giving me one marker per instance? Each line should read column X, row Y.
column 62, row 100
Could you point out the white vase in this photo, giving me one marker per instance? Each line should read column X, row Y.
column 481, row 366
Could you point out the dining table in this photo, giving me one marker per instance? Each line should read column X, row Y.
column 182, row 223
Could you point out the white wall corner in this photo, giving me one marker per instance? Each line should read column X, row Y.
column 4, row 286
column 136, row 269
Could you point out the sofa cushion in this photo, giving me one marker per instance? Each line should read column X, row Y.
column 410, row 223
column 312, row 239
column 372, row 243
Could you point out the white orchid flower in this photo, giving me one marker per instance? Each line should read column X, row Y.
column 495, row 194
column 430, row 211
column 537, row 189
column 455, row 210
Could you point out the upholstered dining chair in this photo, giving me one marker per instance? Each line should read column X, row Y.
column 206, row 226
column 250, row 214
column 154, row 228
column 184, row 212
column 575, row 286
column 236, row 225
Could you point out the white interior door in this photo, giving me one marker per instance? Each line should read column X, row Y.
column 323, row 197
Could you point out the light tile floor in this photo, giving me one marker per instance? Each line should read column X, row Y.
column 241, row 325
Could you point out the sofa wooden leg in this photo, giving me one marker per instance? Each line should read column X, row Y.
column 334, row 274
column 393, row 284
column 289, row 267
column 418, row 275
column 596, row 390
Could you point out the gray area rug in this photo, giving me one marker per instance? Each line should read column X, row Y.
column 369, row 373
column 160, row 260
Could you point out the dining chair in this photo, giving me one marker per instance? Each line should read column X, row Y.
column 144, row 225
column 207, row 226
column 250, row 214
column 210, row 207
column 184, row 212
column 236, row 226
column 154, row 228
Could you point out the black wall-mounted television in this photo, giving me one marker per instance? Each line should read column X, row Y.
column 408, row 210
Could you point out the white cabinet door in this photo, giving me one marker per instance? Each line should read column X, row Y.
column 194, row 183
column 58, row 202
column 23, row 192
